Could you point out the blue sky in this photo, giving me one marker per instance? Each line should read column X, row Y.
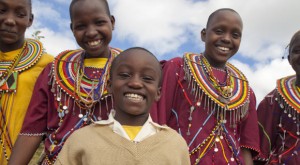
column 169, row 28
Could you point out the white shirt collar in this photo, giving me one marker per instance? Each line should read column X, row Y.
column 149, row 128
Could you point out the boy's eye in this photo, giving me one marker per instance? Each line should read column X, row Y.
column 100, row 22
column 21, row 14
column 219, row 31
column 296, row 51
column 148, row 78
column 124, row 75
column 79, row 27
column 236, row 35
column 2, row 10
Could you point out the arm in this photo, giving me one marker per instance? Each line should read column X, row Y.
column 161, row 111
column 268, row 126
column 249, row 132
column 24, row 144
column 246, row 153
column 35, row 122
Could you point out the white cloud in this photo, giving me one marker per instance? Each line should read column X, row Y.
column 262, row 76
column 163, row 26
column 54, row 42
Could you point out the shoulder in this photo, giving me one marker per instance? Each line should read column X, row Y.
column 172, row 63
column 89, row 130
column 46, row 59
column 174, row 134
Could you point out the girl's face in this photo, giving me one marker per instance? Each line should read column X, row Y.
column 294, row 54
column 222, row 37
column 92, row 27
column 15, row 17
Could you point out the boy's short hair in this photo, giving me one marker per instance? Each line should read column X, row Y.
column 74, row 1
column 217, row 11
column 293, row 40
column 135, row 48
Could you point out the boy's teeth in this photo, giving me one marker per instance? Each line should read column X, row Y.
column 133, row 96
column 93, row 43
column 223, row 48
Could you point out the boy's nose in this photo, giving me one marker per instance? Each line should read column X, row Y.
column 91, row 31
column 226, row 38
column 9, row 20
column 135, row 82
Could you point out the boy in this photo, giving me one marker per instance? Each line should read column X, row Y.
column 209, row 101
column 129, row 136
column 71, row 92
column 279, row 131
column 21, row 61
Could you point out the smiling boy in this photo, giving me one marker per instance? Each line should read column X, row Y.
column 129, row 136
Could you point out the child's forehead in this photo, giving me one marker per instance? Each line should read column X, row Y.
column 18, row 3
column 86, row 5
column 138, row 56
column 226, row 19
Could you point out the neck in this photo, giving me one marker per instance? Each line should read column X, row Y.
column 297, row 80
column 104, row 54
column 214, row 63
column 10, row 47
column 131, row 120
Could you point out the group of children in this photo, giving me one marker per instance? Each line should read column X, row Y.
column 128, row 102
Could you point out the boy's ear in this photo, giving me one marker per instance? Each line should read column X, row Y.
column 289, row 58
column 203, row 34
column 158, row 94
column 71, row 26
column 31, row 17
column 112, row 20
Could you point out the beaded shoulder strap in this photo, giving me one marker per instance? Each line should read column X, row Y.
column 289, row 94
column 34, row 51
column 201, row 84
column 65, row 68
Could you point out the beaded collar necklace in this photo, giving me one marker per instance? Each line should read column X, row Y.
column 232, row 96
column 289, row 96
column 27, row 57
column 68, row 76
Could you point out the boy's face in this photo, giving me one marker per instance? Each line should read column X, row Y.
column 15, row 17
column 135, row 84
column 92, row 27
column 294, row 55
column 222, row 37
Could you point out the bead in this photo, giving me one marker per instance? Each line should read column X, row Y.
column 289, row 115
column 58, row 98
column 65, row 107
column 198, row 104
column 216, row 149
column 192, row 108
column 232, row 159
column 51, row 148
column 80, row 115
